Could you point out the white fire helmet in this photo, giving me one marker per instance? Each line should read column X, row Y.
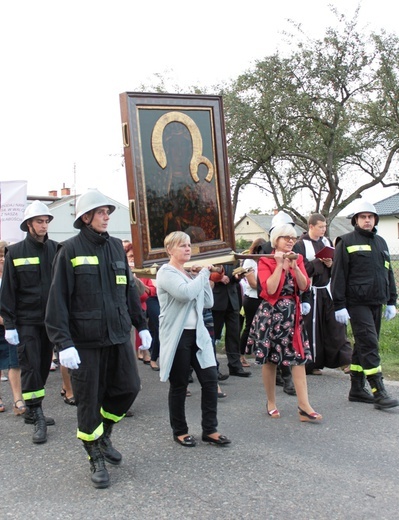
column 362, row 206
column 92, row 199
column 280, row 219
column 36, row 209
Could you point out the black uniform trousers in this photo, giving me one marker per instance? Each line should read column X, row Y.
column 153, row 311
column 186, row 357
column 366, row 325
column 104, row 386
column 35, row 352
column 230, row 319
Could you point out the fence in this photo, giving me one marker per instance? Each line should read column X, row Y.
column 395, row 266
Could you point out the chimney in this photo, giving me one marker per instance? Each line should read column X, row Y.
column 52, row 193
column 65, row 191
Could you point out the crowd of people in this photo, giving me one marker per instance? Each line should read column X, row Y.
column 288, row 308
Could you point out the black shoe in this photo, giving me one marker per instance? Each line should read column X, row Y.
column 222, row 440
column 29, row 419
column 222, row 377
column 289, row 388
column 109, row 453
column 188, row 441
column 99, row 473
column 279, row 379
column 239, row 372
column 40, row 433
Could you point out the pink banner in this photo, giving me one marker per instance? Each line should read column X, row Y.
column 13, row 196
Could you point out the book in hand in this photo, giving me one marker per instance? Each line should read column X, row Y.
column 242, row 271
column 326, row 252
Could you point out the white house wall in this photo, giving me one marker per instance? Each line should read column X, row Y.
column 388, row 228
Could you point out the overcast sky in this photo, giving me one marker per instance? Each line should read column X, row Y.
column 64, row 64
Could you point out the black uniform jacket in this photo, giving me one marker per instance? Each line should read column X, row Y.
column 223, row 294
column 362, row 271
column 93, row 298
column 26, row 281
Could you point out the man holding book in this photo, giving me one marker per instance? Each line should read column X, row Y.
column 329, row 345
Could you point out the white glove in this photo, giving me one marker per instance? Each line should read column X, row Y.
column 12, row 336
column 69, row 358
column 146, row 339
column 390, row 312
column 305, row 308
column 342, row 316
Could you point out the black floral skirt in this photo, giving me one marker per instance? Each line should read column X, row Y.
column 272, row 334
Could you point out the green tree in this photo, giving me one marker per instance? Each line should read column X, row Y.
column 242, row 244
column 322, row 123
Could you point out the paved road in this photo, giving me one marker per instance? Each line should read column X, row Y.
column 345, row 468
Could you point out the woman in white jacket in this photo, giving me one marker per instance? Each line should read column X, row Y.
column 185, row 341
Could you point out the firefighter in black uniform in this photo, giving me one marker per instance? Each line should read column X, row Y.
column 362, row 282
column 92, row 305
column 23, row 297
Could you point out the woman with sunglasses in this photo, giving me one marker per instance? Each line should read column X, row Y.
column 277, row 334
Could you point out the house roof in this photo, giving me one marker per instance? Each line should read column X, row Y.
column 339, row 226
column 56, row 202
column 388, row 206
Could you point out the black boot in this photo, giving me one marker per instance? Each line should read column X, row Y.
column 279, row 377
column 288, row 385
column 40, row 433
column 29, row 419
column 110, row 454
column 381, row 397
column 99, row 473
column 358, row 392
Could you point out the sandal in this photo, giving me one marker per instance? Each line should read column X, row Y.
column 309, row 417
column 19, row 410
column 244, row 362
column 2, row 407
column 63, row 392
column 70, row 400
column 221, row 394
column 274, row 414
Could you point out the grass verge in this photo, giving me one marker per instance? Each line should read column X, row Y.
column 389, row 347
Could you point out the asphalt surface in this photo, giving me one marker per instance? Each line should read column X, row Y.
column 345, row 468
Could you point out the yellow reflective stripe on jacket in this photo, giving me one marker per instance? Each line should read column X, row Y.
column 112, row 417
column 362, row 247
column 90, row 437
column 356, row 368
column 121, row 279
column 386, row 264
column 84, row 260
column 27, row 396
column 34, row 260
